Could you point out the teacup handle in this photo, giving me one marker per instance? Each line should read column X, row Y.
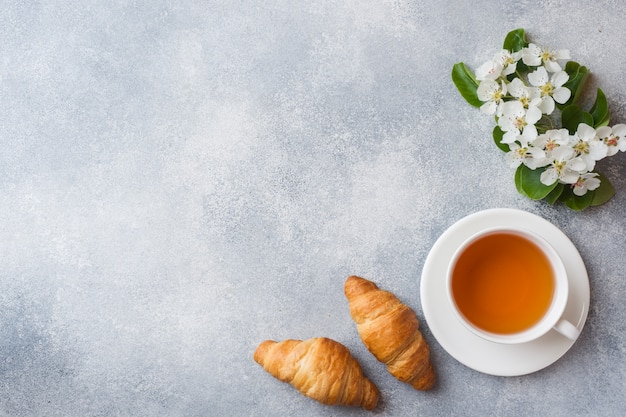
column 567, row 329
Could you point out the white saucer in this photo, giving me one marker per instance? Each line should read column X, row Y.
column 471, row 350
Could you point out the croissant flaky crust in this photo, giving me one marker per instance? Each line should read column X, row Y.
column 390, row 331
column 320, row 368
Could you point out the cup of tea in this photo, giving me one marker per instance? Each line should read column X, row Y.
column 509, row 285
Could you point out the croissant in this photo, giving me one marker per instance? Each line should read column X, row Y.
column 389, row 330
column 319, row 368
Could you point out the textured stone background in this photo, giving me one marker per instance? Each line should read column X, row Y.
column 180, row 181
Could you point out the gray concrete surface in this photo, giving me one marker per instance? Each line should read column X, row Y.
column 180, row 181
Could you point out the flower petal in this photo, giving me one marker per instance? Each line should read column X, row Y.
column 588, row 160
column 538, row 77
column 603, row 132
column 546, row 105
column 530, row 132
column 568, row 176
column 580, row 190
column 561, row 94
column 510, row 136
column 533, row 115
column 585, row 132
column 549, row 176
column 619, row 130
column 517, row 88
column 559, row 78
column 592, row 183
column 513, row 159
column 490, row 70
column 511, row 110
column 563, row 153
column 597, row 149
column 552, row 66
column 531, row 55
column 489, row 107
column 486, row 89
column 562, row 54
column 510, row 69
column 577, row 165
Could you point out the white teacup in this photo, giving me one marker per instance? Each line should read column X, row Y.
column 509, row 285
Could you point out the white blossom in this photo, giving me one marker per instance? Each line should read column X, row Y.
column 528, row 96
column 492, row 94
column 565, row 167
column 552, row 139
column 588, row 181
column 535, row 56
column 508, row 60
column 614, row 138
column 588, row 145
column 490, row 70
column 519, row 103
column 516, row 121
column 551, row 88
column 524, row 153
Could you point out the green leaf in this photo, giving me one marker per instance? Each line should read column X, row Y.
column 519, row 180
column 466, row 83
column 515, row 40
column 600, row 110
column 497, row 138
column 554, row 195
column 577, row 77
column 604, row 192
column 528, row 183
column 575, row 202
column 572, row 116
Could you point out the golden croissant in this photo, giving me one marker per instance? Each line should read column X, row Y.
column 390, row 331
column 319, row 368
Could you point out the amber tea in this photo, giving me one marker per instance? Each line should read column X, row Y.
column 503, row 283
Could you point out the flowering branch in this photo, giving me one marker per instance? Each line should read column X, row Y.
column 526, row 87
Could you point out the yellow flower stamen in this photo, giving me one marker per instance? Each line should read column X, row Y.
column 581, row 147
column 525, row 101
column 547, row 89
column 551, row 145
column 579, row 183
column 611, row 141
column 546, row 56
